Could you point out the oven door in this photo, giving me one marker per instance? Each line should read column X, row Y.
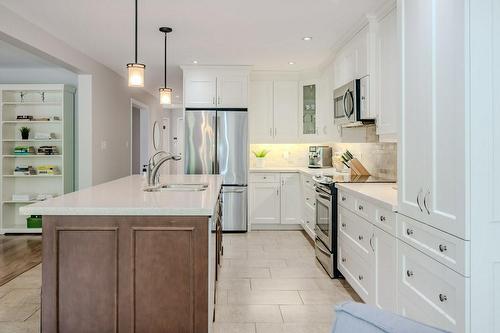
column 324, row 218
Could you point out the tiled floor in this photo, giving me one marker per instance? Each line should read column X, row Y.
column 270, row 283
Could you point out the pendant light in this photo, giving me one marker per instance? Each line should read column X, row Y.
column 136, row 70
column 165, row 92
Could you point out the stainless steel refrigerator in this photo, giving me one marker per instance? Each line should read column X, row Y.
column 216, row 142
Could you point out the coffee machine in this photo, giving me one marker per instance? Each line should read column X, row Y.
column 320, row 157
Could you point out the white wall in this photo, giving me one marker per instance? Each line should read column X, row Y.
column 105, row 132
column 38, row 75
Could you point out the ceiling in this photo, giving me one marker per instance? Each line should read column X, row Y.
column 264, row 33
column 13, row 57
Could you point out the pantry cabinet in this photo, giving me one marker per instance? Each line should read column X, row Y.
column 433, row 112
column 273, row 111
column 215, row 87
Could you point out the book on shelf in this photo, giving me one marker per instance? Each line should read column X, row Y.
column 24, row 150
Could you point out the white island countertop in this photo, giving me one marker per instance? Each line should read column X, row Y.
column 383, row 194
column 125, row 196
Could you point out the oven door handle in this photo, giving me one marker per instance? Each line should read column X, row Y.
column 326, row 197
column 319, row 246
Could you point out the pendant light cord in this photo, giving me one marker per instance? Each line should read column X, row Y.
column 165, row 68
column 136, row 31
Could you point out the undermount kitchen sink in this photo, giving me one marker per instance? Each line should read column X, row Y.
column 177, row 187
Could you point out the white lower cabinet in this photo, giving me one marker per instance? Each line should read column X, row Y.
column 366, row 253
column 430, row 292
column 274, row 198
column 264, row 203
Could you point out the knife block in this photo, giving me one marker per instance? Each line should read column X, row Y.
column 357, row 168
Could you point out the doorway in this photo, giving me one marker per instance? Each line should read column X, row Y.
column 139, row 137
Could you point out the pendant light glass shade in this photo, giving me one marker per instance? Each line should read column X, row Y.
column 136, row 75
column 165, row 96
column 135, row 69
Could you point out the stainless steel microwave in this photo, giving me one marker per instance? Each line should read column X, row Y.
column 350, row 102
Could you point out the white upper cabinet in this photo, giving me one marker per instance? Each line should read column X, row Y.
column 386, row 54
column 206, row 87
column 431, row 158
column 273, row 111
column 232, row 90
column 286, row 111
column 200, row 89
column 290, row 198
column 351, row 61
column 260, row 115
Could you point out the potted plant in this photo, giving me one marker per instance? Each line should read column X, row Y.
column 260, row 157
column 25, row 132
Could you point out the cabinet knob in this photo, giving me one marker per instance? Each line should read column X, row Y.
column 344, row 198
column 360, row 207
column 344, row 259
column 409, row 232
column 344, row 225
column 382, row 218
column 360, row 237
column 360, row 277
column 442, row 247
column 443, row 297
column 409, row 273
column 264, row 177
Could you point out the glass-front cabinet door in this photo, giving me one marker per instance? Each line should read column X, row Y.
column 309, row 109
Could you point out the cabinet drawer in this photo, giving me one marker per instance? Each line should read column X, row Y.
column 357, row 231
column 431, row 292
column 307, row 182
column 346, row 200
column 445, row 248
column 355, row 270
column 310, row 198
column 365, row 209
column 385, row 220
column 264, row 177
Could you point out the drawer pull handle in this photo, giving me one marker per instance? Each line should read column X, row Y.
column 443, row 298
column 344, row 225
column 360, row 277
column 382, row 218
column 360, row 237
column 442, row 248
column 409, row 232
column 344, row 198
column 409, row 273
column 360, row 207
column 344, row 259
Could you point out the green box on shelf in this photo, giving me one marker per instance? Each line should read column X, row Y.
column 34, row 221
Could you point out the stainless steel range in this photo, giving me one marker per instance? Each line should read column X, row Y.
column 326, row 217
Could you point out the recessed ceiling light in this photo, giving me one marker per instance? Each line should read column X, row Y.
column 195, row 61
column 307, row 38
column 291, row 63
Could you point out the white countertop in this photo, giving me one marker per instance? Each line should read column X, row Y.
column 125, row 196
column 306, row 170
column 383, row 194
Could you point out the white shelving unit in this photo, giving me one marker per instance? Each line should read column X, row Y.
column 38, row 101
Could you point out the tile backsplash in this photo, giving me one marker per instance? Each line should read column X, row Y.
column 379, row 159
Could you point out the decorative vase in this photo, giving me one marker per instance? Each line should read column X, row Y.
column 259, row 162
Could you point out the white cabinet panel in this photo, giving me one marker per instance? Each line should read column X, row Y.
column 286, row 111
column 385, row 269
column 290, row 198
column 232, row 90
column 387, row 62
column 433, row 131
column 260, row 113
column 264, row 203
column 415, row 136
column 200, row 89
